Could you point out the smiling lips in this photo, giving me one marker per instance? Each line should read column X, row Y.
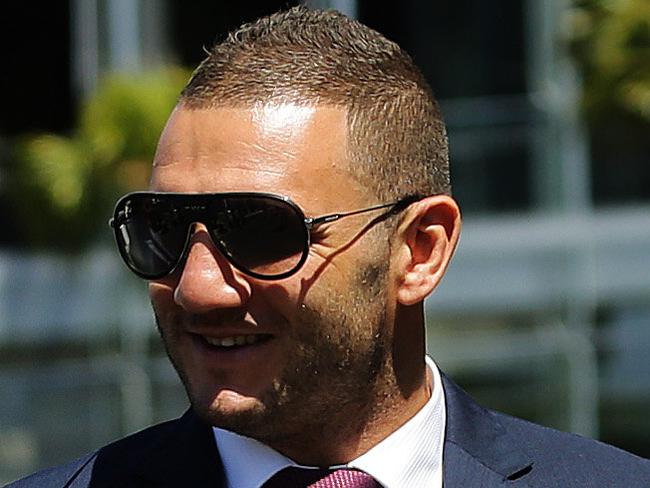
column 235, row 340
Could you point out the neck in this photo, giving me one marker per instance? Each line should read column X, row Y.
column 403, row 387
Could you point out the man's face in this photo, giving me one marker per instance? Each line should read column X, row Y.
column 307, row 348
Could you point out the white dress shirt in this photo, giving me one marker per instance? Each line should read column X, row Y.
column 411, row 456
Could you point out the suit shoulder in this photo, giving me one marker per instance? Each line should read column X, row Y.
column 562, row 455
column 128, row 447
column 56, row 476
column 120, row 453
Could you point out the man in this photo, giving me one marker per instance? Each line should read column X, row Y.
column 300, row 213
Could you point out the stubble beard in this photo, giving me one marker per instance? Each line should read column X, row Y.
column 336, row 369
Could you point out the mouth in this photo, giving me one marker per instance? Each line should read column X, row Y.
column 235, row 341
column 233, row 350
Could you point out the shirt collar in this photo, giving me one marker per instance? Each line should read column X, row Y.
column 410, row 456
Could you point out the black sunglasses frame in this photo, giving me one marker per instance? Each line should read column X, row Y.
column 201, row 200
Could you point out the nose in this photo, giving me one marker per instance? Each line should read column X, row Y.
column 208, row 281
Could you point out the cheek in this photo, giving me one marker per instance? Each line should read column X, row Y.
column 161, row 295
column 282, row 298
column 314, row 283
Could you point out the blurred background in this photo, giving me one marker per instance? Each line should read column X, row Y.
column 545, row 313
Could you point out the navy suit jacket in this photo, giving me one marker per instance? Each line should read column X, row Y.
column 482, row 449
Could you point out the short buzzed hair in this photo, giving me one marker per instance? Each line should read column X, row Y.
column 397, row 139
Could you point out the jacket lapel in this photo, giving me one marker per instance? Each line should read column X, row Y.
column 479, row 451
column 188, row 456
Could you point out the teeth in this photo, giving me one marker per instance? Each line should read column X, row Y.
column 238, row 340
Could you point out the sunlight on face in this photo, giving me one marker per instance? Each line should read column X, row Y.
column 282, row 117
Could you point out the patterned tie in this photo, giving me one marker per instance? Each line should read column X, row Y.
column 321, row 478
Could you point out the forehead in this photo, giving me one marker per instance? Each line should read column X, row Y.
column 299, row 151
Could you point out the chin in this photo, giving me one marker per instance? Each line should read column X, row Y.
column 229, row 409
column 232, row 402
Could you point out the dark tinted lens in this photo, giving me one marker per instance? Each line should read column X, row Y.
column 262, row 235
column 151, row 234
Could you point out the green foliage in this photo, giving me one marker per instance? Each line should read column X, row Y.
column 64, row 187
column 611, row 42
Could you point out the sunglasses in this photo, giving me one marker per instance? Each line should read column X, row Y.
column 263, row 235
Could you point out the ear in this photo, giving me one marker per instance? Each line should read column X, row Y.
column 426, row 240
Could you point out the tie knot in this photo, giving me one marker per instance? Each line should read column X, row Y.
column 293, row 477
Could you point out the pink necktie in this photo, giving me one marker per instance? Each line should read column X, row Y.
column 321, row 478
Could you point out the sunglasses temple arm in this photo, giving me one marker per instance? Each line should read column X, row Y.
column 315, row 221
